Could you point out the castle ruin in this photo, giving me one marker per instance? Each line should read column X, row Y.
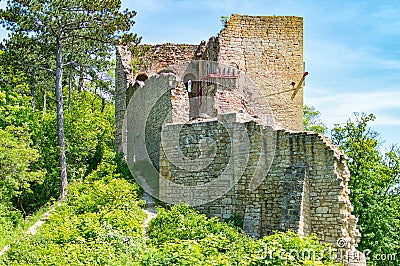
column 220, row 125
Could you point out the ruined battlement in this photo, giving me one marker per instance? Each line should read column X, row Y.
column 267, row 49
column 219, row 125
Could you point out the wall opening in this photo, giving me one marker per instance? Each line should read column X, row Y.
column 142, row 77
column 165, row 71
column 194, row 89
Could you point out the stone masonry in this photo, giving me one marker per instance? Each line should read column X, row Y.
column 225, row 132
column 305, row 190
column 269, row 50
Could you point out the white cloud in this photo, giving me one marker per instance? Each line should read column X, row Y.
column 337, row 108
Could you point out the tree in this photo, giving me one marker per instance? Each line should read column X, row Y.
column 66, row 25
column 89, row 136
column 16, row 158
column 32, row 57
column 374, row 185
column 312, row 120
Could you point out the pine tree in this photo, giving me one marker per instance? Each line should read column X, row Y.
column 87, row 28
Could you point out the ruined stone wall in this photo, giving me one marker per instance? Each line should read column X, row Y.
column 122, row 80
column 151, row 59
column 305, row 189
column 269, row 49
column 145, row 61
column 180, row 104
column 249, row 156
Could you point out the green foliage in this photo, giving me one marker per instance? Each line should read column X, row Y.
column 82, row 30
column 92, row 22
column 181, row 236
column 312, row 121
column 224, row 20
column 100, row 223
column 47, row 36
column 374, row 185
column 18, row 155
column 181, row 222
column 235, row 221
column 299, row 250
column 16, row 158
column 9, row 219
column 122, row 167
column 86, row 32
column 43, row 136
column 89, row 137
column 14, row 106
column 89, row 132
column 13, row 225
column 29, row 150
column 103, row 195
column 112, row 166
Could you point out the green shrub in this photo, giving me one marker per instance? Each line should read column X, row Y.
column 100, row 223
column 235, row 220
column 183, row 223
column 181, row 236
column 9, row 219
column 16, row 160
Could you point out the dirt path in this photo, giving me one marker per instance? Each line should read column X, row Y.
column 150, row 216
column 4, row 250
column 150, row 211
column 150, row 208
column 33, row 229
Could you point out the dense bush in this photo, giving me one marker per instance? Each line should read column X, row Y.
column 100, row 223
column 16, row 159
column 183, row 223
column 9, row 220
column 183, row 237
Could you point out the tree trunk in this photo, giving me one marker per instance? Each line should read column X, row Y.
column 33, row 90
column 60, row 120
column 103, row 104
column 70, row 88
column 44, row 101
column 80, row 83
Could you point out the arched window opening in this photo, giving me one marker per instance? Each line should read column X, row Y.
column 142, row 77
column 190, row 80
column 193, row 86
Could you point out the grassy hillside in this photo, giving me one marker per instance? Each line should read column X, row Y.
column 101, row 224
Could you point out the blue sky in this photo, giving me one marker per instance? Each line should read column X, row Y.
column 351, row 48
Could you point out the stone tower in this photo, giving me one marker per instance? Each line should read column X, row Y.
column 268, row 49
column 219, row 125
